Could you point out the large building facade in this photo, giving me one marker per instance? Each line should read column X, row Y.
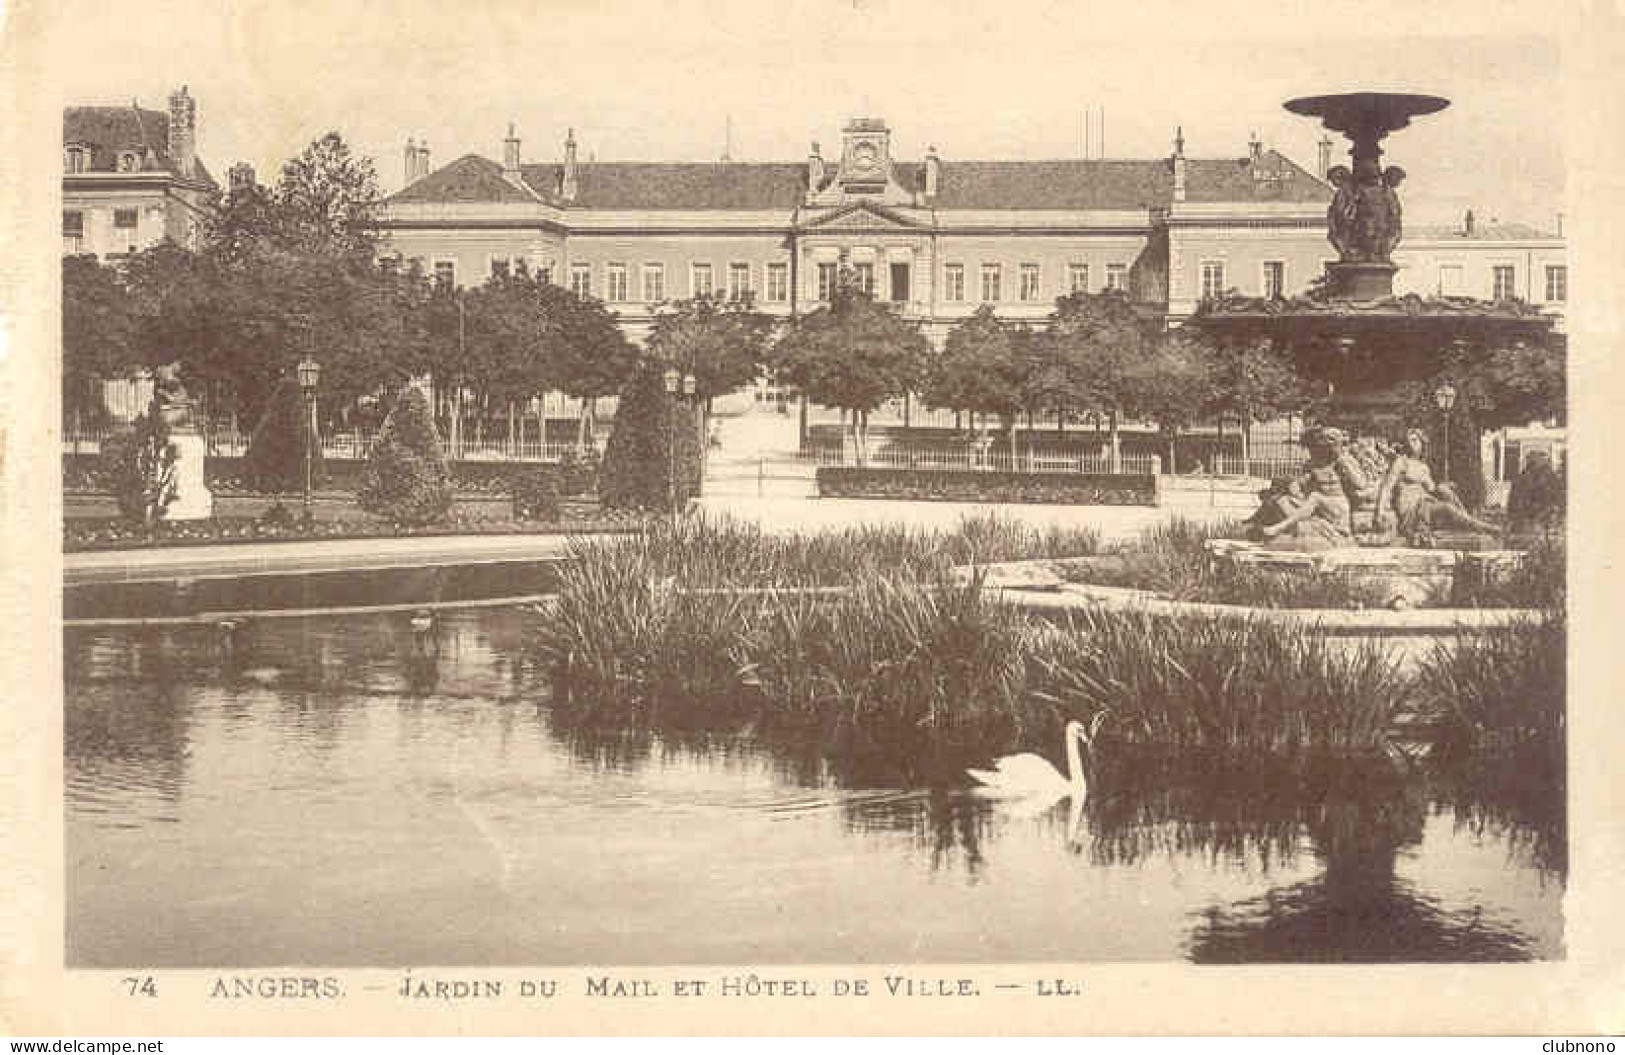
column 939, row 237
column 131, row 178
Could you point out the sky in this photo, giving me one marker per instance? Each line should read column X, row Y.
column 665, row 81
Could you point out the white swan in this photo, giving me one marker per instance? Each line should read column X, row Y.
column 1031, row 776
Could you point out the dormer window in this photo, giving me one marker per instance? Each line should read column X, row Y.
column 75, row 159
column 129, row 161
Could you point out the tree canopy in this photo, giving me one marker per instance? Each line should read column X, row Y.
column 722, row 341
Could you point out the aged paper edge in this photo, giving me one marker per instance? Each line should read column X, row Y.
column 1585, row 993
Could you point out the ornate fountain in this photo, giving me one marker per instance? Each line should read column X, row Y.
column 1370, row 348
column 1350, row 331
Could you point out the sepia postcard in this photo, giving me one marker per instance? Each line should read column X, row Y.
column 849, row 517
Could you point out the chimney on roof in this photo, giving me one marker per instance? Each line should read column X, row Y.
column 410, row 172
column 1560, row 225
column 241, row 178
column 1179, row 163
column 815, row 169
column 423, row 159
column 1467, row 224
column 1255, row 147
column 933, row 172
column 510, row 156
column 1323, row 164
column 568, row 183
column 182, row 145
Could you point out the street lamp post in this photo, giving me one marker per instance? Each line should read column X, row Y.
column 1444, row 397
column 678, row 384
column 310, row 375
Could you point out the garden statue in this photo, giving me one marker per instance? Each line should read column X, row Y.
column 1313, row 511
column 1410, row 502
column 1341, row 212
column 193, row 499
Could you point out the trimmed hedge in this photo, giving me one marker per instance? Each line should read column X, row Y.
column 406, row 479
column 637, row 469
column 961, row 485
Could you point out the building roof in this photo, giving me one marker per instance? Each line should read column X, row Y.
column 111, row 130
column 1076, row 184
column 1494, row 231
column 470, row 178
column 679, row 185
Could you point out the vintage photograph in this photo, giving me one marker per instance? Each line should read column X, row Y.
column 855, row 483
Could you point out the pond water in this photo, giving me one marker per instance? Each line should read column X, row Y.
column 342, row 791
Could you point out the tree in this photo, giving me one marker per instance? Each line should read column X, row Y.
column 640, row 468
column 979, row 370
column 853, row 354
column 275, row 461
column 99, row 338
column 1174, row 385
column 1096, row 340
column 722, row 341
column 406, row 479
column 1503, row 386
column 326, row 201
column 1253, row 383
column 140, row 461
column 591, row 356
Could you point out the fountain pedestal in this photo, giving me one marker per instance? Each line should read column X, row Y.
column 1360, row 280
column 193, row 499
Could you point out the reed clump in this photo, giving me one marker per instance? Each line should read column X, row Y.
column 718, row 622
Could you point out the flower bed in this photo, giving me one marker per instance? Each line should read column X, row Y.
column 82, row 475
column 952, row 485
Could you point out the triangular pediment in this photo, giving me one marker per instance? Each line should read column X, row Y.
column 864, row 216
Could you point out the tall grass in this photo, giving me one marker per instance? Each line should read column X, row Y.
column 1233, row 684
column 903, row 664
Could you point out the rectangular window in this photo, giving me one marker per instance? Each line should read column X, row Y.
column 615, row 283
column 1029, row 281
column 124, row 219
column 899, row 283
column 738, row 281
column 1117, row 276
column 865, row 274
column 654, row 283
column 1077, row 278
column 1504, row 282
column 700, row 283
column 778, row 282
column 1212, row 279
column 953, row 282
column 1274, row 279
column 581, row 279
column 73, row 232
column 826, row 281
column 445, row 272
column 1451, row 283
column 992, row 280
column 1557, row 282
column 501, row 266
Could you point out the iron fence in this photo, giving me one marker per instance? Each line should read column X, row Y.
column 1036, row 460
column 354, row 444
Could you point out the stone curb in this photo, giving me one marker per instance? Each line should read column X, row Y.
column 1032, row 591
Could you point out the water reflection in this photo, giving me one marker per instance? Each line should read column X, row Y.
column 347, row 791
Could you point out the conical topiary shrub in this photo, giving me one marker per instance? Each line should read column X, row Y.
column 275, row 460
column 637, row 467
column 406, row 479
